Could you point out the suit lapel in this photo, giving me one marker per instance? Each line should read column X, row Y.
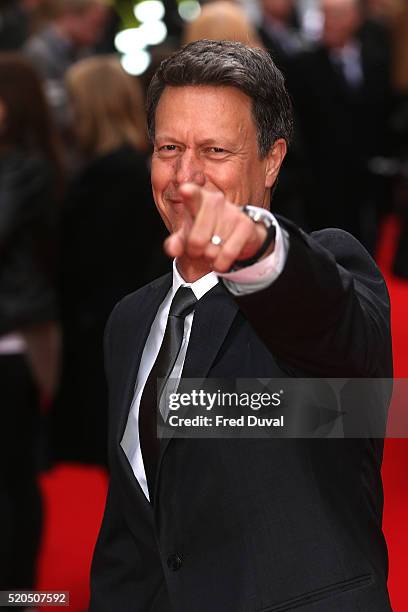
column 213, row 318
column 137, row 332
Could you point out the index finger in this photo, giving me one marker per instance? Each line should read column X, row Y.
column 192, row 196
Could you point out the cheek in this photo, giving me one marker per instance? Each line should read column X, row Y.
column 252, row 180
column 161, row 174
column 158, row 180
column 229, row 180
column 253, row 186
column 162, row 209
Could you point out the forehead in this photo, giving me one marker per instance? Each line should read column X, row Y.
column 202, row 107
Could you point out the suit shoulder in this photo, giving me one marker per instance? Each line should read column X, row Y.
column 345, row 248
column 351, row 256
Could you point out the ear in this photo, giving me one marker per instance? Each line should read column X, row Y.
column 274, row 161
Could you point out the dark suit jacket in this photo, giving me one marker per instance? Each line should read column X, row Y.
column 248, row 525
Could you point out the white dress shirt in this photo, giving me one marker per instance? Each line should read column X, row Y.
column 248, row 280
column 12, row 344
column 350, row 61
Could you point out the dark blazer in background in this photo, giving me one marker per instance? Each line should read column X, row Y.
column 283, row 43
column 251, row 525
column 279, row 55
column 342, row 128
column 111, row 244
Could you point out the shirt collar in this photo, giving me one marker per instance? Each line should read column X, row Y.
column 351, row 51
column 200, row 287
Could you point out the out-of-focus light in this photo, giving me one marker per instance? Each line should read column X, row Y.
column 153, row 32
column 136, row 63
column 189, row 9
column 149, row 10
column 135, row 39
column 130, row 40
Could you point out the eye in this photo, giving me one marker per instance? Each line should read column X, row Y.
column 216, row 152
column 167, row 150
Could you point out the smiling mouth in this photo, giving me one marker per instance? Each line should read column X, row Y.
column 174, row 202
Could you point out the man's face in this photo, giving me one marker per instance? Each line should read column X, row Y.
column 206, row 135
column 341, row 20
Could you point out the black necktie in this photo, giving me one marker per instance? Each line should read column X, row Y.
column 183, row 303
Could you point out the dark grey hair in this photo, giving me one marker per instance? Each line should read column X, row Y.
column 252, row 71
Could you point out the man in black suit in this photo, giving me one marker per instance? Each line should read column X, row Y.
column 342, row 97
column 234, row 525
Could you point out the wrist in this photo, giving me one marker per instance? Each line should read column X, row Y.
column 267, row 231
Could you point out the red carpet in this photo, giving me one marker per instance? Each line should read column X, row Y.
column 74, row 495
column 74, row 499
column 396, row 451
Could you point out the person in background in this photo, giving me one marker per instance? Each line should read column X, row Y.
column 222, row 20
column 18, row 19
column 376, row 31
column 30, row 185
column 108, row 224
column 283, row 40
column 342, row 95
column 74, row 28
column 383, row 11
column 278, row 32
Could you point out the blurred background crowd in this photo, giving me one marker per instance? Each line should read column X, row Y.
column 78, row 227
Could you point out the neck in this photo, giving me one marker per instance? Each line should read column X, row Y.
column 192, row 270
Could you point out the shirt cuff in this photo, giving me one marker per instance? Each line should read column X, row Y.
column 263, row 273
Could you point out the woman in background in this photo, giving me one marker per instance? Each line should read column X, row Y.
column 30, row 183
column 111, row 243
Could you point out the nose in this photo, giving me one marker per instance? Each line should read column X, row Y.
column 189, row 169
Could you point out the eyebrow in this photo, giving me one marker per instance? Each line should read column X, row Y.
column 166, row 138
column 216, row 141
column 206, row 142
